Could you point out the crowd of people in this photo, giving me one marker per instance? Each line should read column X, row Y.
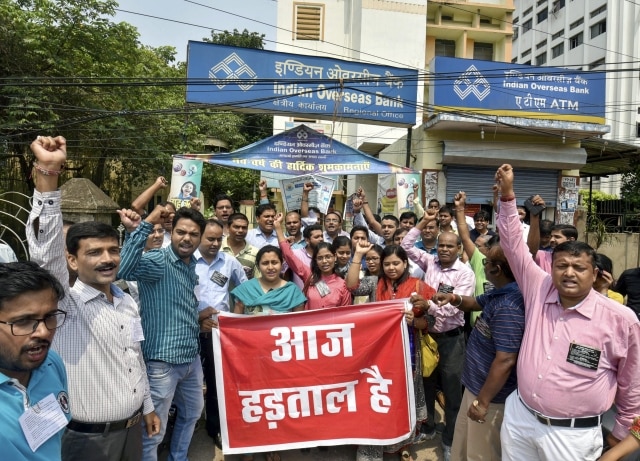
column 99, row 344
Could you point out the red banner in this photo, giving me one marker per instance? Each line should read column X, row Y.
column 315, row 378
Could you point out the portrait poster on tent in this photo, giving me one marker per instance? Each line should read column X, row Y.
column 387, row 194
column 186, row 176
column 408, row 188
column 319, row 197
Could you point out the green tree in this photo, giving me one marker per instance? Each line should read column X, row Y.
column 68, row 69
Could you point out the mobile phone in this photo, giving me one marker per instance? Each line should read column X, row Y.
column 534, row 210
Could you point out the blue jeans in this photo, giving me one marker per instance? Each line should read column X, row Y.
column 182, row 385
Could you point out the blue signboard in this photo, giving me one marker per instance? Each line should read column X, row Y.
column 496, row 88
column 299, row 151
column 253, row 80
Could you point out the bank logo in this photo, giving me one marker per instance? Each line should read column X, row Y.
column 472, row 82
column 233, row 70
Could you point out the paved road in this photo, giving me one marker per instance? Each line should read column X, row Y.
column 203, row 449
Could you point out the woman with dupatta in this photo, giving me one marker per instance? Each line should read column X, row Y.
column 396, row 283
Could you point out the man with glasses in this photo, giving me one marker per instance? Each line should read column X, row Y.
column 100, row 342
column 333, row 227
column 223, row 209
column 29, row 315
column 481, row 222
column 218, row 273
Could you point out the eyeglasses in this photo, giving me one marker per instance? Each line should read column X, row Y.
column 372, row 259
column 486, row 261
column 24, row 327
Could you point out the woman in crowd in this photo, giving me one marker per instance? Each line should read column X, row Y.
column 322, row 287
column 268, row 294
column 604, row 280
column 341, row 247
column 363, row 283
column 396, row 283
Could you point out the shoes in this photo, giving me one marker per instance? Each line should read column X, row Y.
column 217, row 440
column 446, row 452
column 427, row 434
column 405, row 455
column 440, row 399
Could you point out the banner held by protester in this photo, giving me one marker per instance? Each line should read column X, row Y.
column 324, row 377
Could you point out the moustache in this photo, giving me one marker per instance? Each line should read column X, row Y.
column 106, row 267
column 38, row 343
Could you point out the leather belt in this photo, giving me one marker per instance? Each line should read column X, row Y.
column 96, row 428
column 590, row 421
column 454, row 332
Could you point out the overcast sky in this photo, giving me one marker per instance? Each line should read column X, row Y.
column 175, row 22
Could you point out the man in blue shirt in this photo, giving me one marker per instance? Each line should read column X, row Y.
column 218, row 273
column 170, row 320
column 489, row 372
column 30, row 374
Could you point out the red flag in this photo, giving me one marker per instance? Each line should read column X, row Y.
column 323, row 377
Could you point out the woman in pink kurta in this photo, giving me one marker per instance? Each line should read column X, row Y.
column 322, row 286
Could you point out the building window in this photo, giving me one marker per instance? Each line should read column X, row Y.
column 527, row 63
column 597, row 63
column 541, row 44
column 541, row 59
column 309, row 22
column 637, row 130
column 515, row 60
column 445, row 17
column 576, row 41
column 526, row 53
column 542, row 15
column 528, row 11
column 483, row 51
column 557, row 50
column 578, row 23
column 557, row 6
column 599, row 28
column 541, row 2
column 446, row 48
column 598, row 10
column 557, row 35
column 526, row 26
column 515, row 32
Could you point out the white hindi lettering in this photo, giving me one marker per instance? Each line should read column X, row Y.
column 379, row 403
column 304, row 341
column 275, row 407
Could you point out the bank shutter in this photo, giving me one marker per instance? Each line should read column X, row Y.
column 478, row 181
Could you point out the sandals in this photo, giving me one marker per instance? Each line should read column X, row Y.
column 405, row 455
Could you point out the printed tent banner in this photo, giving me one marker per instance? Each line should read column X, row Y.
column 299, row 151
column 314, row 378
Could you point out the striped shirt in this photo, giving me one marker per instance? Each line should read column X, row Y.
column 168, row 304
column 499, row 328
column 106, row 372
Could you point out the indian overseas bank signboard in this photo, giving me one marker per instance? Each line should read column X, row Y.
column 516, row 90
column 251, row 80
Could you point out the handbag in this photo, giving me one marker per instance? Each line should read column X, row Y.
column 430, row 355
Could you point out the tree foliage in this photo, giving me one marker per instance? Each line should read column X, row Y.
column 630, row 188
column 68, row 69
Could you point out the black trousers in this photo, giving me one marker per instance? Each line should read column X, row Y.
column 211, row 402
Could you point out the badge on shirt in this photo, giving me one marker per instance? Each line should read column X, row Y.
column 488, row 287
column 42, row 421
column 483, row 327
column 323, row 288
column 584, row 356
column 219, row 278
column 443, row 288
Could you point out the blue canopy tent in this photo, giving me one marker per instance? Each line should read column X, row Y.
column 300, row 151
